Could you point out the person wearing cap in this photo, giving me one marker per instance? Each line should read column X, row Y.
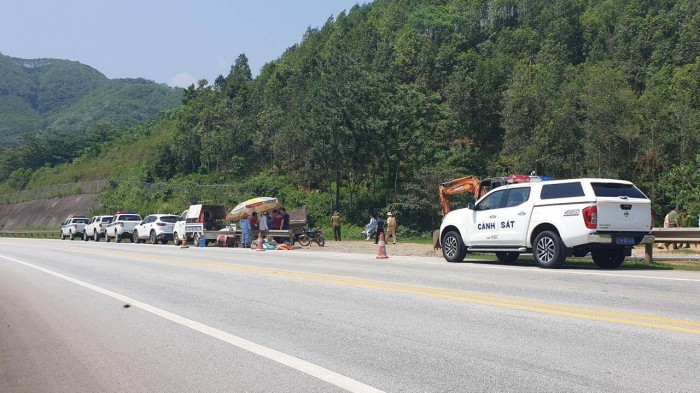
column 390, row 227
column 335, row 223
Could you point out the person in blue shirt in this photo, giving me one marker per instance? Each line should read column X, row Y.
column 245, row 231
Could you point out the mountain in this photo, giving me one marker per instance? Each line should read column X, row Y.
column 51, row 95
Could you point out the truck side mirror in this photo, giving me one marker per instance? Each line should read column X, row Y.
column 470, row 206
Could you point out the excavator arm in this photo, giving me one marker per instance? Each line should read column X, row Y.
column 457, row 186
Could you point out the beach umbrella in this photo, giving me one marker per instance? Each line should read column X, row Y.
column 258, row 204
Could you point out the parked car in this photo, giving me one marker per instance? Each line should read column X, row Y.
column 155, row 228
column 121, row 226
column 73, row 226
column 95, row 229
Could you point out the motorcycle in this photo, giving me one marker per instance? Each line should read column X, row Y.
column 369, row 234
column 308, row 236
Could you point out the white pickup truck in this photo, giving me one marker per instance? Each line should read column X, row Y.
column 73, row 226
column 552, row 220
column 202, row 221
column 122, row 226
column 95, row 229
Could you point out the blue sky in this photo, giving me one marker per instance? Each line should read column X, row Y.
column 176, row 42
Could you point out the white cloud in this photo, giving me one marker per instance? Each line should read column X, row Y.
column 182, row 79
column 223, row 65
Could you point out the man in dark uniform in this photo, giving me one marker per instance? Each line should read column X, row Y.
column 380, row 228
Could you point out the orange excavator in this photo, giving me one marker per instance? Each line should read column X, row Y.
column 457, row 186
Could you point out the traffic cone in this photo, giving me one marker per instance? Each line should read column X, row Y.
column 184, row 242
column 382, row 247
column 260, row 242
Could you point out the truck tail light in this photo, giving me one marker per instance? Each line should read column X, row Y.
column 590, row 217
column 121, row 224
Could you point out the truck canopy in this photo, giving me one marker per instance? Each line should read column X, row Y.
column 202, row 213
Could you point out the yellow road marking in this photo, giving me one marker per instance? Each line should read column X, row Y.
column 649, row 321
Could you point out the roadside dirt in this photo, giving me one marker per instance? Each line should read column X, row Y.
column 368, row 247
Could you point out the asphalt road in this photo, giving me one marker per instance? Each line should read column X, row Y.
column 106, row 317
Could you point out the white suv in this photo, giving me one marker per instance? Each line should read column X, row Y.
column 154, row 228
column 96, row 227
column 73, row 226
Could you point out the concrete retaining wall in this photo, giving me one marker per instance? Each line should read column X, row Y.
column 44, row 213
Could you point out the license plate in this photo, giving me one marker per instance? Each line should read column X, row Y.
column 624, row 240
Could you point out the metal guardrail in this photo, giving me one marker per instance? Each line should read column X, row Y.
column 670, row 235
column 28, row 233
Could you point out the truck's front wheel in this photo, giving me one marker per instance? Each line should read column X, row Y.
column 453, row 248
column 608, row 259
column 548, row 250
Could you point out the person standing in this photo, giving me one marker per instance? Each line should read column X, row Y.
column 685, row 223
column 276, row 219
column 263, row 224
column 285, row 218
column 380, row 228
column 672, row 221
column 245, row 231
column 335, row 223
column 254, row 221
column 391, row 226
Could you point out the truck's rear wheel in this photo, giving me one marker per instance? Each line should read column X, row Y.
column 118, row 238
column 96, row 236
column 507, row 257
column 176, row 239
column 608, row 259
column 548, row 250
column 453, row 248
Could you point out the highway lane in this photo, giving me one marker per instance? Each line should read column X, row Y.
column 220, row 319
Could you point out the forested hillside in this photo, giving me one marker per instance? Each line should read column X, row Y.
column 371, row 111
column 45, row 96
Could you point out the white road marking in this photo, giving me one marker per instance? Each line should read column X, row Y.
column 305, row 367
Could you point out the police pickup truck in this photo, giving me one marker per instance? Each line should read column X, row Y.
column 122, row 226
column 73, row 226
column 552, row 220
